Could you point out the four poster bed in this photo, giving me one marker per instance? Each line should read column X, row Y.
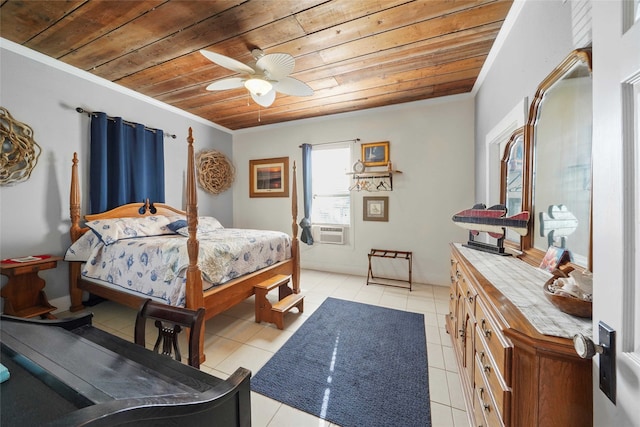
column 217, row 293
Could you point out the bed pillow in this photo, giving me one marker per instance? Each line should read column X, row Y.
column 177, row 225
column 82, row 248
column 206, row 225
column 112, row 230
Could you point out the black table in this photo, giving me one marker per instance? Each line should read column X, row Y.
column 67, row 373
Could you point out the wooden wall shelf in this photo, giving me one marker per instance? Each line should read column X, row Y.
column 373, row 180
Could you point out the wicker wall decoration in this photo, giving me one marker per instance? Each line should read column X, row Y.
column 19, row 153
column 215, row 171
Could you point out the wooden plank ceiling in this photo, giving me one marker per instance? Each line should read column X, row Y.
column 355, row 54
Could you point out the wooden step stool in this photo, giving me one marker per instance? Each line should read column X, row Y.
column 274, row 313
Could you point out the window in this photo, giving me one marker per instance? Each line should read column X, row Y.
column 330, row 183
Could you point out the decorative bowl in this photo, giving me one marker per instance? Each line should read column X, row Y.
column 567, row 303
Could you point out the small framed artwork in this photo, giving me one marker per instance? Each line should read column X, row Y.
column 375, row 153
column 554, row 257
column 376, row 208
column 269, row 177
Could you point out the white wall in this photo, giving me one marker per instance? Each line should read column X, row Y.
column 539, row 39
column 431, row 142
column 43, row 93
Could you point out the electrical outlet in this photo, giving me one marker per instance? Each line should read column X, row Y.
column 607, row 338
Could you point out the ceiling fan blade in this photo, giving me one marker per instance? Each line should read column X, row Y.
column 224, row 84
column 226, row 62
column 293, row 87
column 265, row 100
column 276, row 65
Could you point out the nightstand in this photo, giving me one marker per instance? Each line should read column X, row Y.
column 24, row 292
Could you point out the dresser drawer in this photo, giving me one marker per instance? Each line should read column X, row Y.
column 31, row 268
column 493, row 341
column 467, row 293
column 458, row 275
column 491, row 377
column 484, row 403
column 454, row 272
column 453, row 289
column 478, row 413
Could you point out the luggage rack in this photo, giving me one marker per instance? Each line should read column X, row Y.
column 387, row 253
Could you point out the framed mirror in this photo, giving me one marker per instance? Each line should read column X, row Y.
column 511, row 178
column 558, row 135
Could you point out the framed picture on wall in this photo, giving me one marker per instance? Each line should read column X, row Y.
column 269, row 177
column 554, row 257
column 375, row 208
column 375, row 153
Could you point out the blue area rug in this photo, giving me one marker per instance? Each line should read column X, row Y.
column 354, row 365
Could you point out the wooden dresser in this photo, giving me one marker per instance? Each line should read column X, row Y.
column 512, row 374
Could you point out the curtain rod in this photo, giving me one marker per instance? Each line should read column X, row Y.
column 90, row 113
column 333, row 142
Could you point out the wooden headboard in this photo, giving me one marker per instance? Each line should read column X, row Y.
column 133, row 210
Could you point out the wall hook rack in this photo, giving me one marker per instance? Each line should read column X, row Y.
column 373, row 181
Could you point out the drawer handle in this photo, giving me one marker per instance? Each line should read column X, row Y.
column 487, row 407
column 486, row 331
column 471, row 299
column 487, row 368
column 482, row 356
column 458, row 274
column 451, row 297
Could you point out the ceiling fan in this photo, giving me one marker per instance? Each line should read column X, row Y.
column 264, row 77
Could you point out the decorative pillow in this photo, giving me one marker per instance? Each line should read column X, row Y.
column 206, row 224
column 112, row 230
column 82, row 248
column 177, row 225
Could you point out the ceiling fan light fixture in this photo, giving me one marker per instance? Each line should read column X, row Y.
column 258, row 87
column 270, row 73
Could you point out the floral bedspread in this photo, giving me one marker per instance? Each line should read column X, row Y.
column 156, row 266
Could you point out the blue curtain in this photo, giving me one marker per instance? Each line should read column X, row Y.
column 126, row 164
column 306, row 235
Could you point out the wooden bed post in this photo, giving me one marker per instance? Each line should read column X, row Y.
column 74, row 201
column 295, row 247
column 194, row 294
column 75, row 293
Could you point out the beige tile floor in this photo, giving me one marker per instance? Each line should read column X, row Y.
column 233, row 339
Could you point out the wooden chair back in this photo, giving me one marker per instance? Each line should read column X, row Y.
column 170, row 320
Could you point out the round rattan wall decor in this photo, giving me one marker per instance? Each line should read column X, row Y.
column 19, row 153
column 215, row 171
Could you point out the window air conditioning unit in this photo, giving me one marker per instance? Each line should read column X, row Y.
column 328, row 234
